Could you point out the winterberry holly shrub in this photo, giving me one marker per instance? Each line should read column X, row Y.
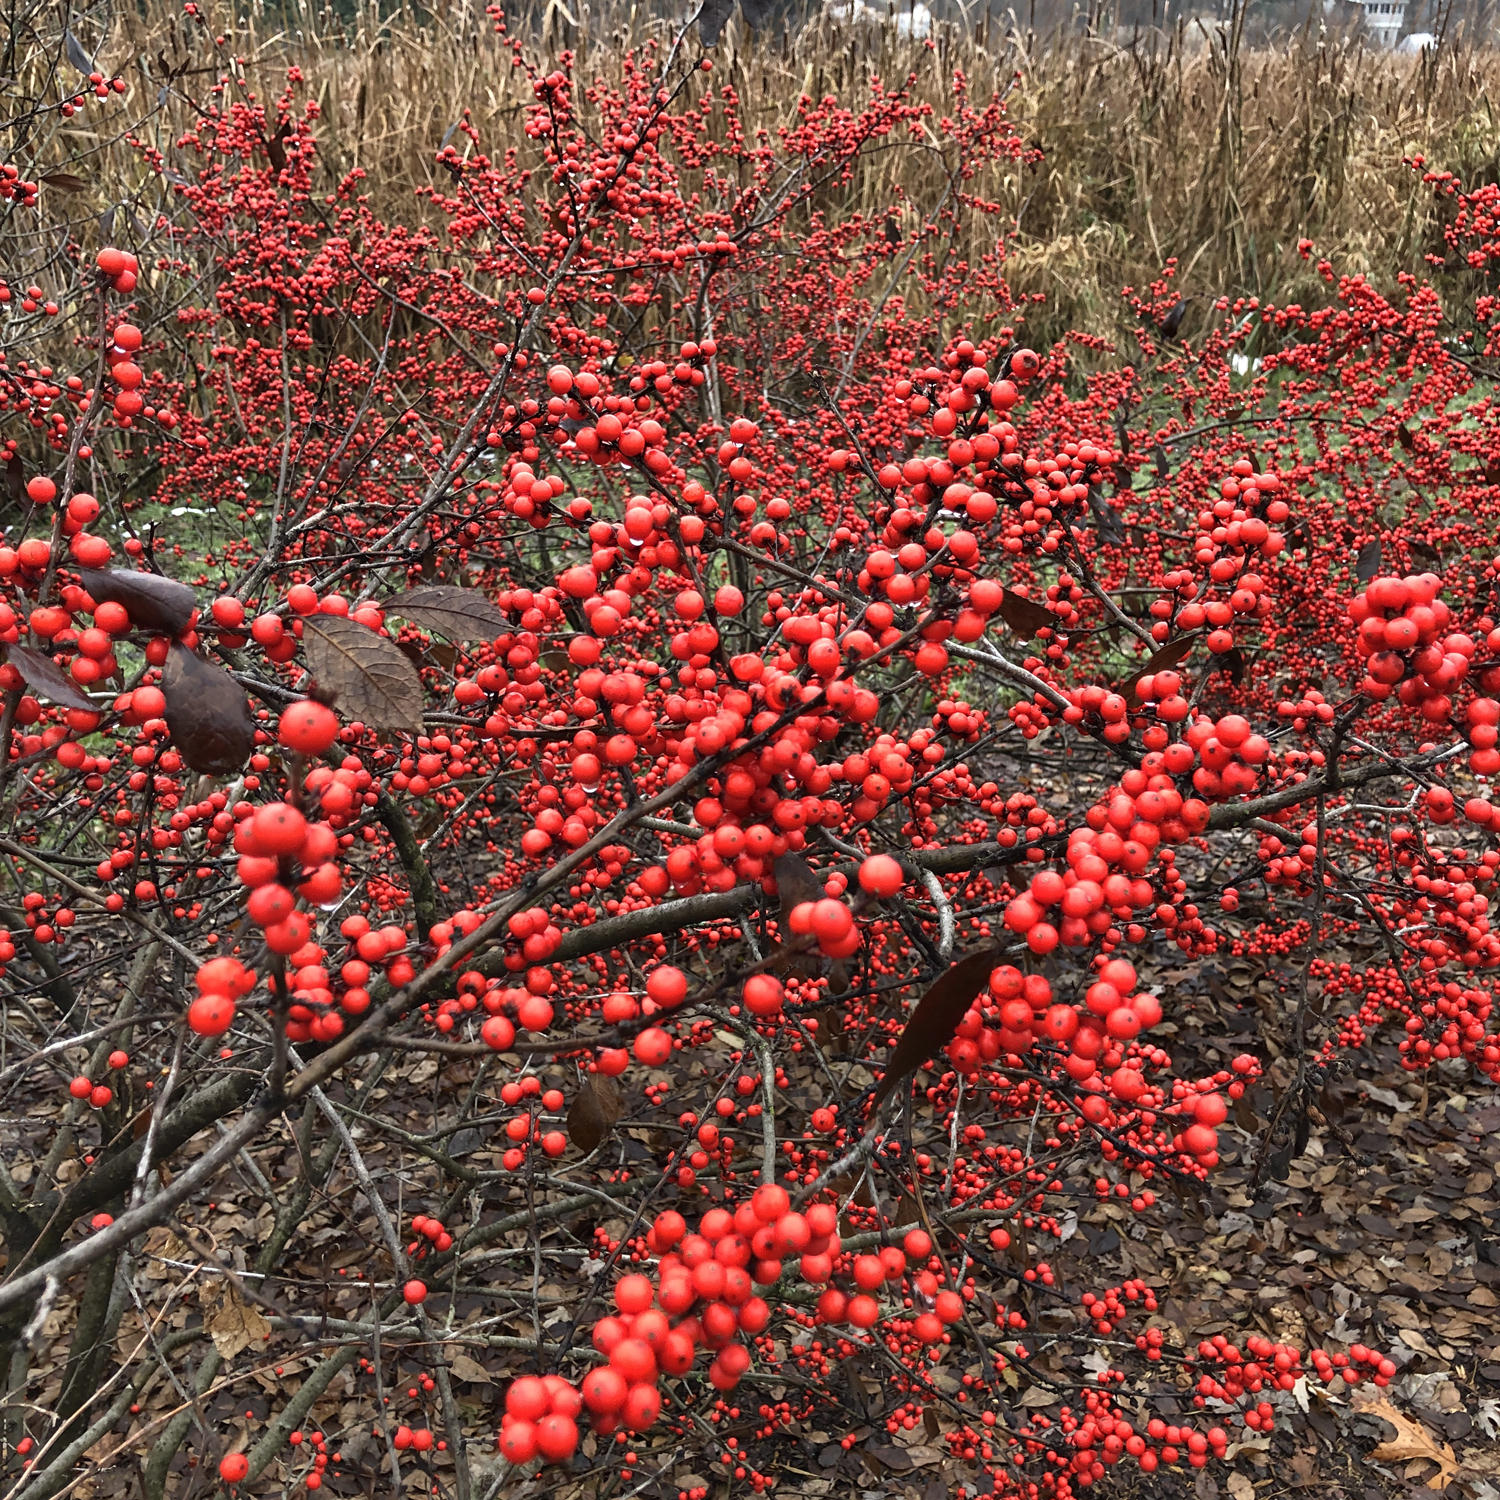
column 619, row 768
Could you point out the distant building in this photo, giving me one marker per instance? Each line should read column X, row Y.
column 1385, row 20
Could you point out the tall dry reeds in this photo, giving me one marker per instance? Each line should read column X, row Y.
column 1180, row 143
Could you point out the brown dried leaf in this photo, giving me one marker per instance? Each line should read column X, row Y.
column 1425, row 553
column 594, row 1112
column 887, row 1458
column 365, row 673
column 459, row 614
column 65, row 181
column 712, row 19
column 233, row 1324
column 1367, row 561
column 15, row 478
column 46, row 679
column 434, row 653
column 470, row 1371
column 152, row 602
column 1159, row 661
column 1412, row 1443
column 207, row 713
column 275, row 150
column 931, row 1025
column 795, row 883
column 1024, row 616
column 73, row 50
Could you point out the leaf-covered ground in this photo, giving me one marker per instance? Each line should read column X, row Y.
column 1385, row 1231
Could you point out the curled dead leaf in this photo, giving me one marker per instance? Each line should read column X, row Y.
column 151, row 601
column 46, row 679
column 932, row 1024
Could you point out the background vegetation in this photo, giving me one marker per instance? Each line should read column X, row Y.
column 1185, row 142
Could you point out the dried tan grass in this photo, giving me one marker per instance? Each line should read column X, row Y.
column 1182, row 144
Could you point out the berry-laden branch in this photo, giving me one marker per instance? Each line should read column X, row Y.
column 509, row 773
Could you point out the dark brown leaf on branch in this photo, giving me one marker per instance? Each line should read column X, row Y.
column 1279, row 1163
column 73, row 50
column 1172, row 318
column 1024, row 616
column 207, row 713
column 275, row 150
column 1168, row 656
column 795, row 883
column 152, row 602
column 64, row 181
column 712, row 19
column 46, row 679
column 1404, row 437
column 1232, row 664
column 1104, row 516
column 15, row 478
column 1367, row 562
column 932, row 1024
column 887, row 1458
column 366, row 674
column 594, row 1112
column 1426, row 554
column 891, row 231
column 460, row 614
column 436, row 652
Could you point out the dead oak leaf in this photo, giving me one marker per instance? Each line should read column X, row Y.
column 1412, row 1444
column 233, row 1323
column 470, row 1371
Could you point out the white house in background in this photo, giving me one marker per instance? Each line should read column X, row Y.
column 1384, row 20
column 911, row 17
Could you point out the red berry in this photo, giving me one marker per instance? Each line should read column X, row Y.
column 308, row 727
column 233, row 1467
column 881, row 875
column 211, row 1015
